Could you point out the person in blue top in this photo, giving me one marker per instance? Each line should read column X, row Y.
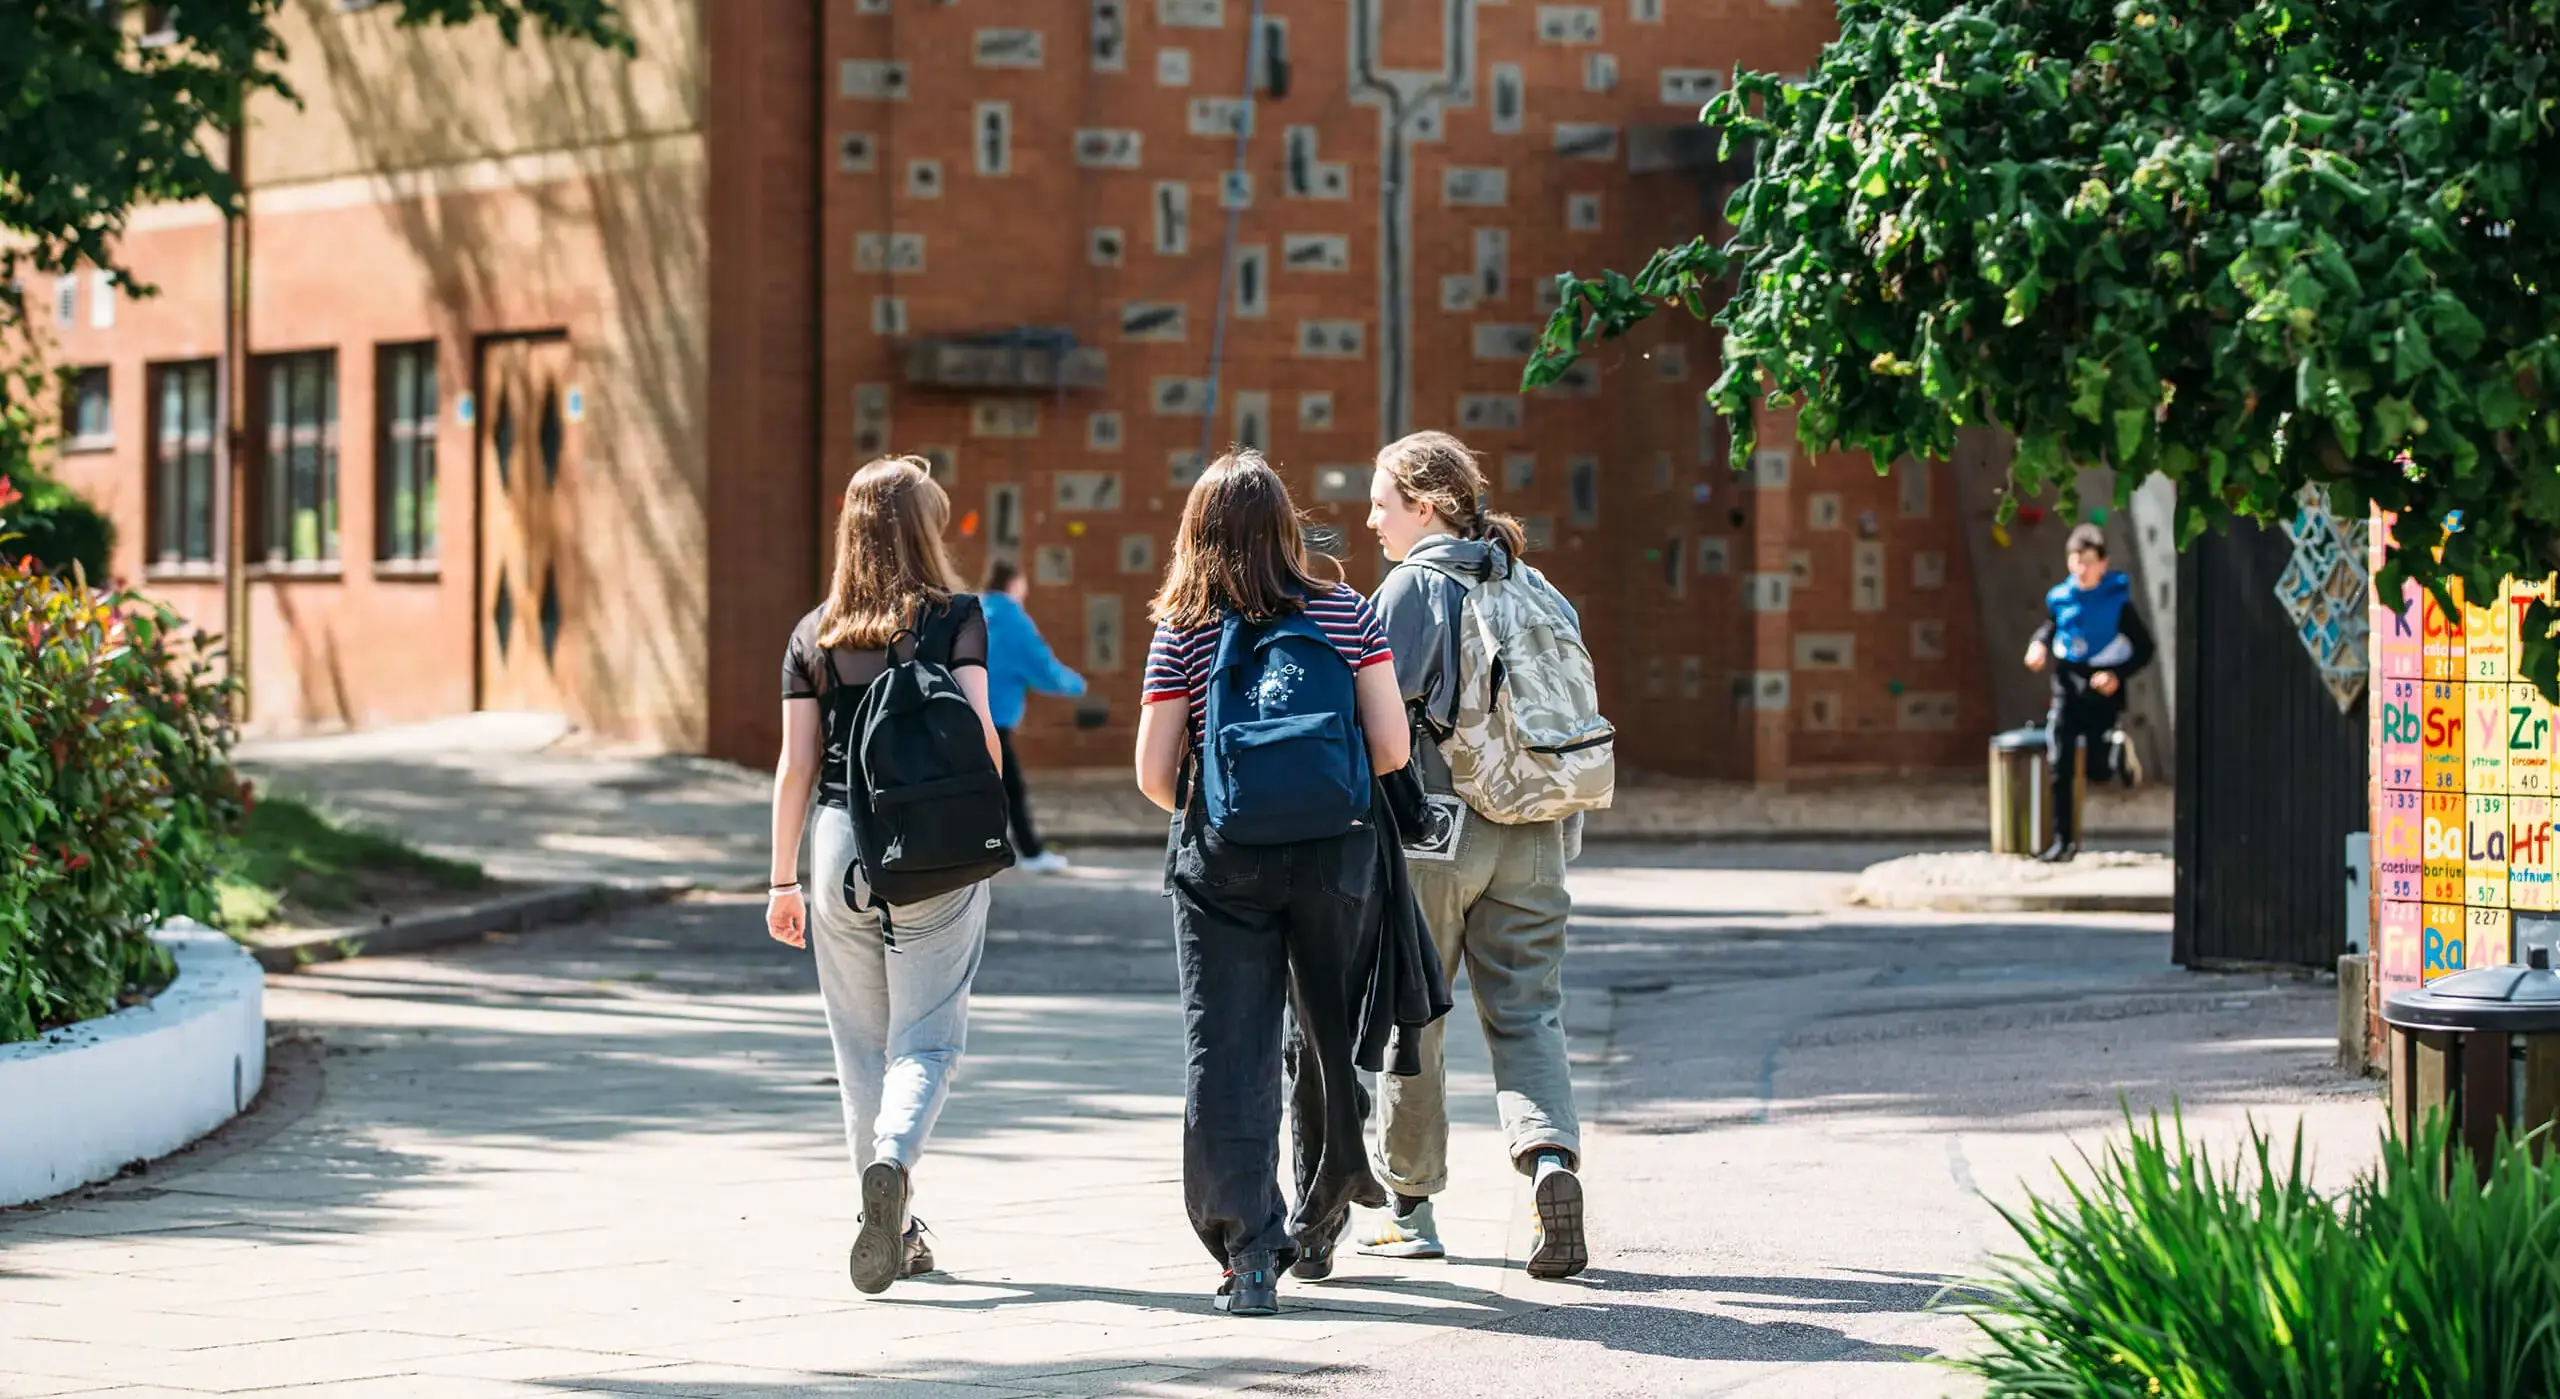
column 1019, row 661
column 2092, row 641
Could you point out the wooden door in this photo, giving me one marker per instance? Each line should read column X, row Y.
column 2271, row 777
column 531, row 603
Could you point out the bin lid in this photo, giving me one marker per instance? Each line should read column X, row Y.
column 2019, row 740
column 2508, row 999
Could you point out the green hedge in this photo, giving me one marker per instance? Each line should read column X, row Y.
column 2165, row 1277
column 58, row 528
column 117, row 794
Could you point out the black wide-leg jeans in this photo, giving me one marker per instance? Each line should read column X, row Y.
column 1260, row 930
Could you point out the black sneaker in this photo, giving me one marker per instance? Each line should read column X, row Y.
column 919, row 1253
column 1252, row 1286
column 880, row 1250
column 2059, row 853
column 1314, row 1264
column 1559, row 1250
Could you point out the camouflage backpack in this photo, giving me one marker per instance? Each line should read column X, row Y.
column 1530, row 743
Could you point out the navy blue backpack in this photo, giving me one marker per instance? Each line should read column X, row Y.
column 1285, row 760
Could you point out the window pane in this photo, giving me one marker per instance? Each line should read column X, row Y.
column 403, row 368
column 306, row 392
column 199, row 414
column 303, row 542
column 400, row 501
column 426, row 389
column 197, row 503
column 426, row 444
column 86, row 406
column 279, row 486
column 328, row 497
column 165, row 537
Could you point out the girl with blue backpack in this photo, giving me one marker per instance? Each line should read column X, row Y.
column 1270, row 703
column 885, row 718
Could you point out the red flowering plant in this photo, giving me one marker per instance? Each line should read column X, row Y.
column 117, row 796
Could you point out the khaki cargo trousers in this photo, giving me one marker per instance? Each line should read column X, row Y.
column 1500, row 907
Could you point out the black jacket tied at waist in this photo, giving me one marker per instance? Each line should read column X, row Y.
column 1409, row 988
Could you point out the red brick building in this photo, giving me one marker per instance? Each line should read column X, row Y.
column 644, row 319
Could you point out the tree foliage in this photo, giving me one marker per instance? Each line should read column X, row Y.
column 105, row 107
column 100, row 114
column 2250, row 245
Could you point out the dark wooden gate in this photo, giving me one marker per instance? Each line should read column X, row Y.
column 2271, row 777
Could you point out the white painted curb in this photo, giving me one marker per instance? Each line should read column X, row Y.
column 79, row 1103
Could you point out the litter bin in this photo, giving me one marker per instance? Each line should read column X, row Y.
column 2021, row 797
column 2482, row 1047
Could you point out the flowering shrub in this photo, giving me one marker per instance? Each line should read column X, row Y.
column 116, row 791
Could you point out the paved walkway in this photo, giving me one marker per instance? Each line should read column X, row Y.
column 531, row 801
column 604, row 1159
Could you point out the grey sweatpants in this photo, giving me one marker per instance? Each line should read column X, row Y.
column 899, row 1019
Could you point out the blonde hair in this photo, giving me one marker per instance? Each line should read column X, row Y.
column 1239, row 547
column 891, row 562
column 1435, row 469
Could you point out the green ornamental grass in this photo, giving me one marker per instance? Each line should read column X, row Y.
column 2165, row 1275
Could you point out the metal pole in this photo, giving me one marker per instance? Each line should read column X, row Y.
column 1227, row 244
column 231, row 432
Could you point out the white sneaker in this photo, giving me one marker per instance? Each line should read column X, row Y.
column 1046, row 862
column 1415, row 1235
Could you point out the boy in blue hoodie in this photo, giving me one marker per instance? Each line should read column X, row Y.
column 2092, row 641
column 1019, row 661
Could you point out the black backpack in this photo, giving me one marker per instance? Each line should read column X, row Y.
column 927, row 801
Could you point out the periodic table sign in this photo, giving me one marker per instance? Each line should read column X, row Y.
column 2484, row 853
column 2441, row 703
column 2402, row 934
column 2527, row 734
column 2484, row 732
column 2484, row 639
column 2466, row 766
column 2440, row 653
column 2485, row 938
column 2447, row 826
column 2529, row 871
column 2399, row 845
column 2397, row 653
column 2440, row 941
column 2520, row 596
column 2402, row 730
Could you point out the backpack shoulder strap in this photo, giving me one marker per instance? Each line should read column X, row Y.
column 1236, row 638
column 1444, row 570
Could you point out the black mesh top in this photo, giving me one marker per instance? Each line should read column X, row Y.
column 806, row 670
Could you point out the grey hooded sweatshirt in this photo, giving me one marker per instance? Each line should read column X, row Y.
column 1419, row 604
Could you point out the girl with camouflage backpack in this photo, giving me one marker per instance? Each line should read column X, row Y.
column 1512, row 750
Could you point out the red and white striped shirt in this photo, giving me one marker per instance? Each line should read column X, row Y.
column 1178, row 660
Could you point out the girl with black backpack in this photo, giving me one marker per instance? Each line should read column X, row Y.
column 1270, row 701
column 896, row 642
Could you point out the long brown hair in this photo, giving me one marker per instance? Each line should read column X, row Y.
column 1435, row 469
column 1238, row 547
column 891, row 562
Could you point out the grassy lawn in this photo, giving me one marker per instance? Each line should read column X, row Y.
column 298, row 867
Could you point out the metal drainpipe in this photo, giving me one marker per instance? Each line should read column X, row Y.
column 233, row 403
column 1227, row 245
column 822, row 157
